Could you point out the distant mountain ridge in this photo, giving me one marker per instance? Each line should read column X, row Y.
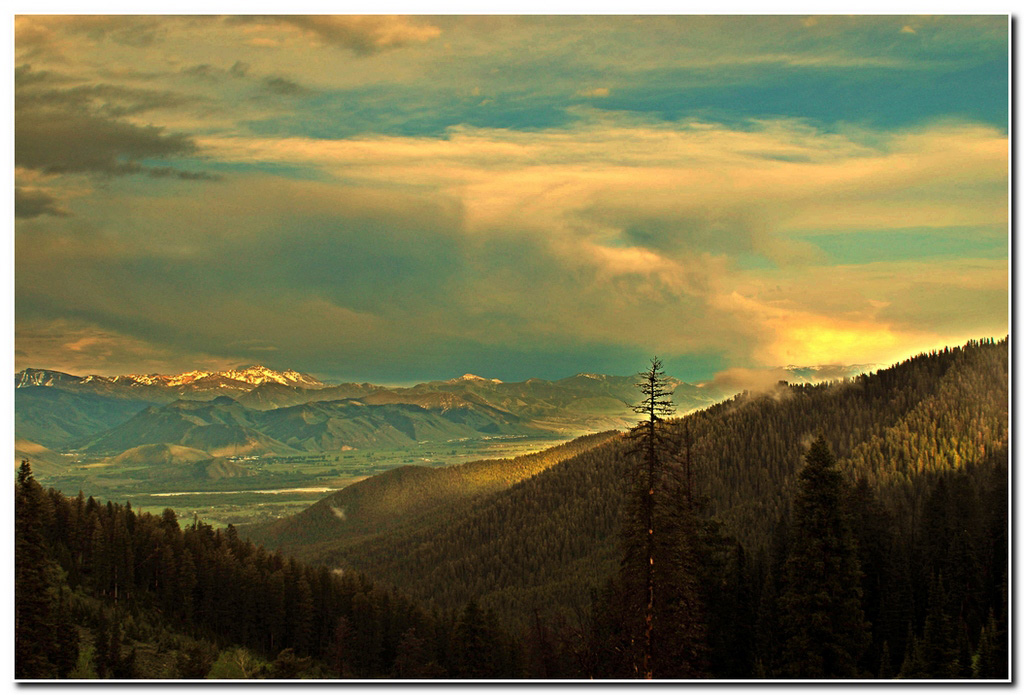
column 255, row 375
column 252, row 376
column 303, row 414
column 246, row 379
column 225, row 427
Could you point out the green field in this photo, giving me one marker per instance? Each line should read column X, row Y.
column 276, row 486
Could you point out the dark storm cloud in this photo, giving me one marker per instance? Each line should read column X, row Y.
column 80, row 129
column 33, row 203
column 60, row 141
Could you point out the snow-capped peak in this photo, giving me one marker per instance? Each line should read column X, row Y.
column 34, row 377
column 474, row 377
column 165, row 379
column 253, row 376
column 258, row 374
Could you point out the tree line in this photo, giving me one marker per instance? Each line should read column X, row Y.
column 120, row 589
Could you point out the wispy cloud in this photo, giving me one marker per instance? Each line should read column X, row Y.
column 363, row 34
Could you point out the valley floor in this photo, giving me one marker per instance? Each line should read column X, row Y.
column 277, row 486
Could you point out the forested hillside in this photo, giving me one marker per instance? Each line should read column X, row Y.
column 904, row 438
column 103, row 592
column 411, row 496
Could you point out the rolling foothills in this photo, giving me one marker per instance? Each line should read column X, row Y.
column 855, row 528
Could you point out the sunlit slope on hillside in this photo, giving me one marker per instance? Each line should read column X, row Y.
column 549, row 537
column 410, row 496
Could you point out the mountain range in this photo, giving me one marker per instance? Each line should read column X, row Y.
column 196, row 385
column 259, row 411
column 225, row 427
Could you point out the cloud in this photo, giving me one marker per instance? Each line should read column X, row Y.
column 758, row 380
column 61, row 141
column 36, row 33
column 263, row 42
column 617, row 234
column 204, row 70
column 671, row 187
column 81, row 348
column 171, row 172
column 239, row 70
column 283, row 87
column 619, row 220
column 595, row 92
column 29, row 203
column 78, row 129
column 41, row 89
column 310, row 270
column 362, row 34
column 737, row 379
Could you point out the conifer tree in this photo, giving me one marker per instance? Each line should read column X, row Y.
column 101, row 645
column 650, row 443
column 731, row 618
column 65, row 639
column 991, row 660
column 938, row 646
column 885, row 662
column 769, row 621
column 821, row 605
column 33, row 609
column 413, row 659
column 664, row 629
column 871, row 527
column 475, row 644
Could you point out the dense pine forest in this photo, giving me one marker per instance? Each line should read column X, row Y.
column 137, row 596
column 854, row 529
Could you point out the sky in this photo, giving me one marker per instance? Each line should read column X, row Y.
column 393, row 199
